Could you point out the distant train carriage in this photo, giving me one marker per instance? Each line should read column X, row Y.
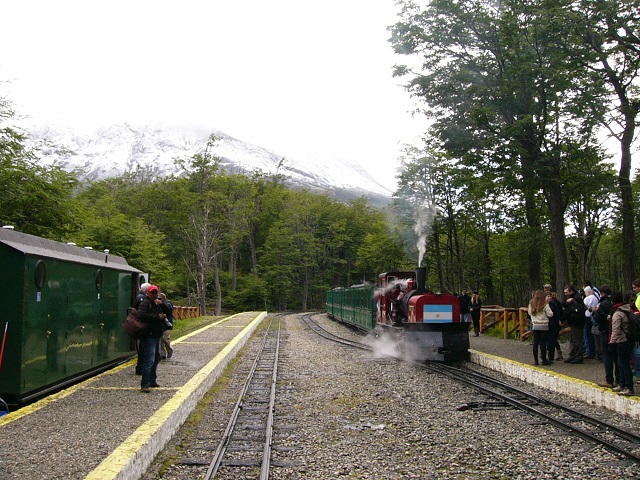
column 426, row 325
column 353, row 306
column 62, row 312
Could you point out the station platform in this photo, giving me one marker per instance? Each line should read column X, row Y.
column 105, row 427
column 515, row 359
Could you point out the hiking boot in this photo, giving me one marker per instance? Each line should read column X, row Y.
column 605, row 385
column 618, row 388
column 145, row 390
column 626, row 392
column 546, row 362
column 559, row 356
column 569, row 360
column 576, row 360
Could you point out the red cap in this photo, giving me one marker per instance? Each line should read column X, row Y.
column 153, row 288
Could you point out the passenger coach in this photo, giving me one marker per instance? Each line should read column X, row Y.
column 62, row 313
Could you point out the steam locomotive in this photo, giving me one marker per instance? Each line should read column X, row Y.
column 426, row 326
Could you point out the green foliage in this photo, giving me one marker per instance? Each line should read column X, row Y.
column 250, row 294
column 36, row 198
column 515, row 101
column 510, row 189
column 106, row 227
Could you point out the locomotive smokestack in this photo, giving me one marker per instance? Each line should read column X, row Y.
column 421, row 279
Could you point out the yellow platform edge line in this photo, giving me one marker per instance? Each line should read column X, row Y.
column 128, row 455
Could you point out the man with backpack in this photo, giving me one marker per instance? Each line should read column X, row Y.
column 601, row 315
column 151, row 313
column 573, row 314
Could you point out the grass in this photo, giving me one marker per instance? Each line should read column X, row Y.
column 184, row 326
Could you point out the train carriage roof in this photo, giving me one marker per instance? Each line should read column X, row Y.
column 41, row 247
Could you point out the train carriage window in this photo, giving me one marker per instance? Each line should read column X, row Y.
column 41, row 274
column 99, row 280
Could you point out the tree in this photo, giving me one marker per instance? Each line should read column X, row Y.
column 37, row 199
column 605, row 42
column 501, row 94
column 205, row 229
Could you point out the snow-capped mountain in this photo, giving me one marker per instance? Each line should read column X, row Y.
column 113, row 150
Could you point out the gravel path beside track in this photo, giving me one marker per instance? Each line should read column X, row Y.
column 343, row 413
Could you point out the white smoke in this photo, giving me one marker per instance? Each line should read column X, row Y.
column 425, row 215
column 390, row 287
column 418, row 193
column 384, row 344
column 392, row 343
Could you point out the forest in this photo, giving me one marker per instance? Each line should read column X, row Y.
column 523, row 178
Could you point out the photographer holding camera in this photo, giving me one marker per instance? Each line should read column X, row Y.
column 165, row 343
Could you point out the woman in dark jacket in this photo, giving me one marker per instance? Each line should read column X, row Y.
column 474, row 308
column 619, row 338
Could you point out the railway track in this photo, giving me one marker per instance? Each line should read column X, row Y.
column 247, row 440
column 571, row 421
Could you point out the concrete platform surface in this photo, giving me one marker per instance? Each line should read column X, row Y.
column 105, row 427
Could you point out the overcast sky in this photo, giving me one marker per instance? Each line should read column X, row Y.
column 295, row 76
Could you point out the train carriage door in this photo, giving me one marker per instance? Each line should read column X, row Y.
column 39, row 355
column 101, row 330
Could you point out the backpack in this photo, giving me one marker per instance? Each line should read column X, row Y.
column 574, row 313
column 633, row 335
column 132, row 324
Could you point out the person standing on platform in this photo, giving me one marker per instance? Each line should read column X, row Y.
column 465, row 301
column 553, row 347
column 573, row 314
column 590, row 302
column 601, row 316
column 165, row 344
column 635, row 286
column 474, row 309
column 540, row 313
column 151, row 313
column 139, row 345
column 619, row 338
column 554, row 325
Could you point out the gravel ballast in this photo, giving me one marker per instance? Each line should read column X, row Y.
column 345, row 413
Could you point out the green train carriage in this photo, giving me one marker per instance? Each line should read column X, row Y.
column 354, row 306
column 62, row 313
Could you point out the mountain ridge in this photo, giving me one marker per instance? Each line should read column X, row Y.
column 112, row 150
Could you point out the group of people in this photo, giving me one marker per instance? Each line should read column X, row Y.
column 155, row 310
column 600, row 328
